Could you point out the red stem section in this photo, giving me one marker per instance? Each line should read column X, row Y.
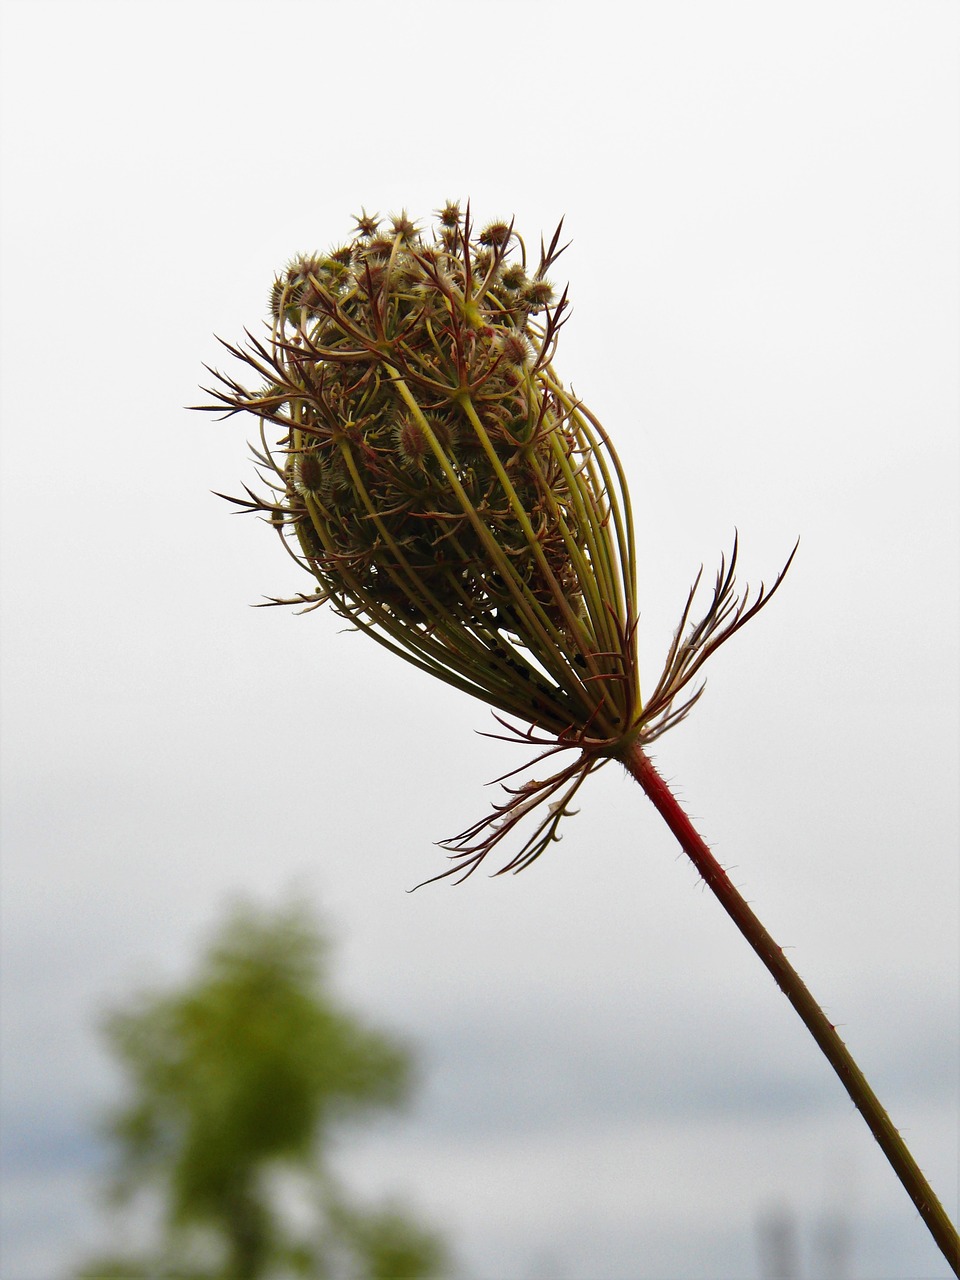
column 792, row 986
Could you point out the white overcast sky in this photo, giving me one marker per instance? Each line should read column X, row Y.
column 763, row 206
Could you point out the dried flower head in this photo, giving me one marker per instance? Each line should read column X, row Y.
column 452, row 499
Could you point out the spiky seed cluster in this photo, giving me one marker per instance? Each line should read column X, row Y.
column 450, row 497
column 439, row 483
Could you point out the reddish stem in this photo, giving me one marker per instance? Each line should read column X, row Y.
column 792, row 986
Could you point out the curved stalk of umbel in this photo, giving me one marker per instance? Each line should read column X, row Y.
column 424, row 464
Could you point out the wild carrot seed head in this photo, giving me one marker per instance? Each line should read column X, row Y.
column 427, row 468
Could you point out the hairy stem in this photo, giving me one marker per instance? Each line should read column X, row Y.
column 816, row 1022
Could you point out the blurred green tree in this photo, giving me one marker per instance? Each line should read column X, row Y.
column 234, row 1082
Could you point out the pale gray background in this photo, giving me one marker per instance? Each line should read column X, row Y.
column 763, row 201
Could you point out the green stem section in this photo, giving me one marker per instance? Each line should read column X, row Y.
column 792, row 986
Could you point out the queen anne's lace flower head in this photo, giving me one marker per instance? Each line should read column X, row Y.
column 450, row 497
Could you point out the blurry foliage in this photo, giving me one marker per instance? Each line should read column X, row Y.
column 235, row 1080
